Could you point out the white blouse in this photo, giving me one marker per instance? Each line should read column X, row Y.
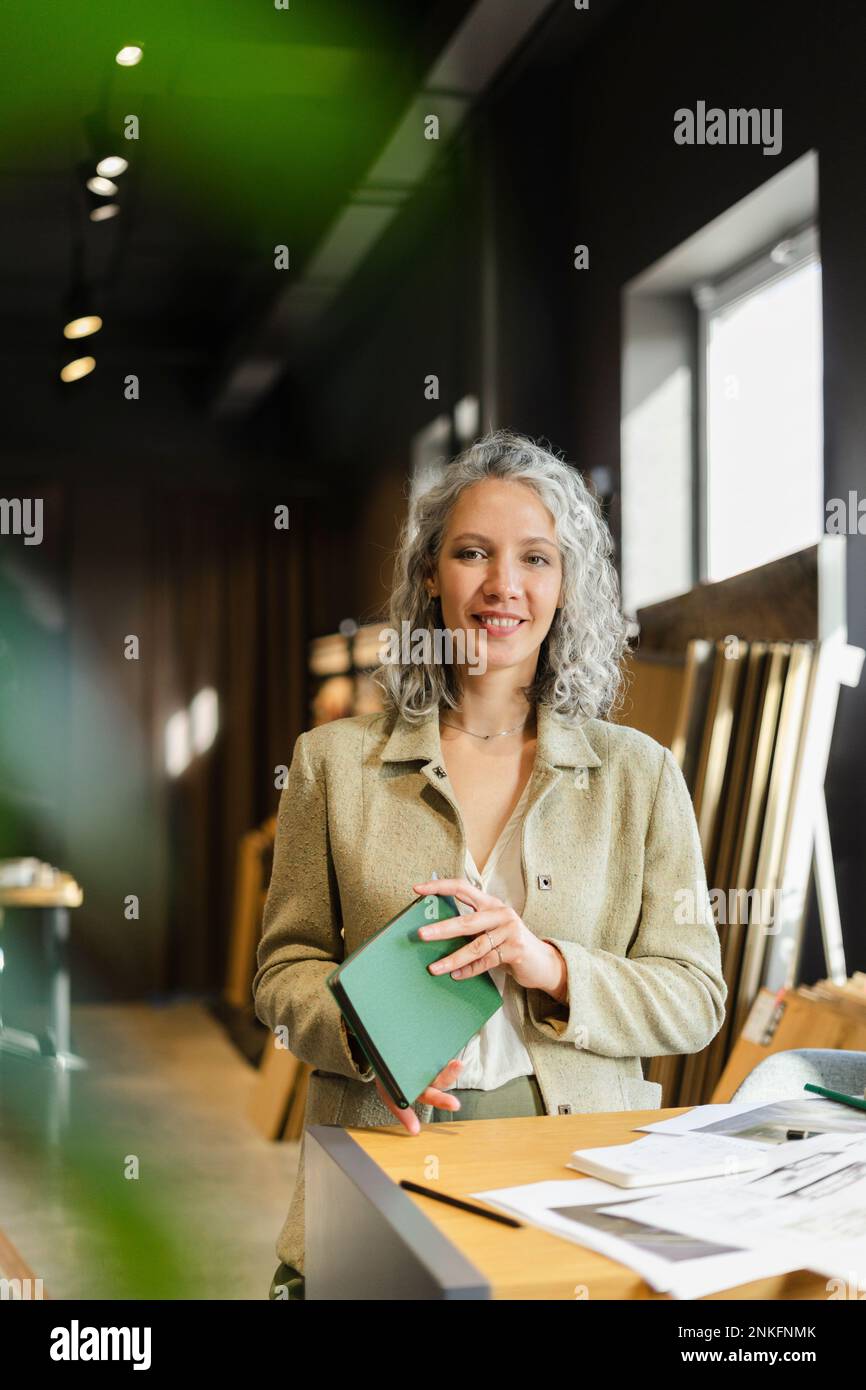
column 496, row 1053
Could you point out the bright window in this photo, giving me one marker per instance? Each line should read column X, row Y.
column 763, row 419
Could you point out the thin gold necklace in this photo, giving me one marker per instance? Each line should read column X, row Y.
column 501, row 734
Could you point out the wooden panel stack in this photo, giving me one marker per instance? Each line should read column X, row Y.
column 749, row 651
column 737, row 734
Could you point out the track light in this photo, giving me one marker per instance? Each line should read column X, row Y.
column 82, row 327
column 112, row 165
column 103, row 188
column 82, row 317
column 101, row 141
column 75, row 370
column 100, row 194
column 82, row 306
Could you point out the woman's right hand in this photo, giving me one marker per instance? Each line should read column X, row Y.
column 434, row 1094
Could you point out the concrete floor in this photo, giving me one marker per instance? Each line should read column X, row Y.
column 141, row 1177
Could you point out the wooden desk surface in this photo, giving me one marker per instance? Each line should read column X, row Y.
column 64, row 893
column 476, row 1155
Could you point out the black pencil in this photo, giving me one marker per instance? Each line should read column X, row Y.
column 458, row 1202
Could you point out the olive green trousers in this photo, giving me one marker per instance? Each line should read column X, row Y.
column 520, row 1096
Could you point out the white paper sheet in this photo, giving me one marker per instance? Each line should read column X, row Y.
column 812, row 1198
column 765, row 1122
column 669, row 1262
column 804, row 1208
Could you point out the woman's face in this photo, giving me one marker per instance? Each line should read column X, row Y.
column 500, row 560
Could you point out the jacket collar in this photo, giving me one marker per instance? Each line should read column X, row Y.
column 559, row 744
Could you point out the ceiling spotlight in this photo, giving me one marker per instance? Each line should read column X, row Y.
column 82, row 366
column 103, row 187
column 100, row 197
column 81, row 308
column 83, row 327
column 112, row 165
column 128, row 56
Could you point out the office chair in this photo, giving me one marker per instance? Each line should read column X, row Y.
column 782, row 1075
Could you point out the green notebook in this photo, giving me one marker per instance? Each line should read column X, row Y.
column 408, row 1022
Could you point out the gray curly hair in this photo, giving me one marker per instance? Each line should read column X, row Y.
column 578, row 673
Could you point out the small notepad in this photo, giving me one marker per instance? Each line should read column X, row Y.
column 666, row 1158
column 410, row 1023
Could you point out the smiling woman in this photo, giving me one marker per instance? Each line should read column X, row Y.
column 506, row 512
column 562, row 837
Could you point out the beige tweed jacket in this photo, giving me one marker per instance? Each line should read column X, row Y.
column 610, row 853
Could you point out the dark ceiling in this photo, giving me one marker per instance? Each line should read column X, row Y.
column 255, row 127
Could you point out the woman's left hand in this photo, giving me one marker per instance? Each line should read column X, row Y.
column 499, row 936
